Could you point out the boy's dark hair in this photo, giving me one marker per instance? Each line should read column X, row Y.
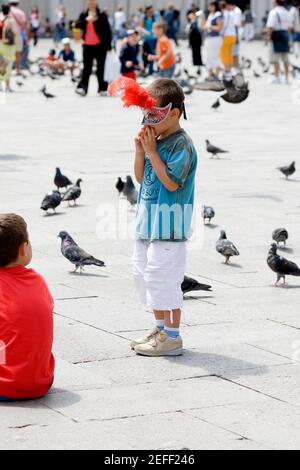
column 13, row 233
column 167, row 91
column 5, row 9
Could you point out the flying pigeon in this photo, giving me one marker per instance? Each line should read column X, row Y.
column 215, row 151
column 208, row 213
column 280, row 235
column 191, row 285
column 46, row 94
column 120, row 186
column 216, row 105
column 71, row 251
column 130, row 191
column 51, row 201
column 281, row 266
column 73, row 193
column 60, row 180
column 236, row 93
column 288, row 170
column 226, row 248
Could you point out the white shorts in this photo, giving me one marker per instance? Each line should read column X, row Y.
column 159, row 269
column 213, row 48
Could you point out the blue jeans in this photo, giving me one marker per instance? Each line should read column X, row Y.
column 167, row 73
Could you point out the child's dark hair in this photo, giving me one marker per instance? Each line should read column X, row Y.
column 13, row 233
column 167, row 91
column 5, row 9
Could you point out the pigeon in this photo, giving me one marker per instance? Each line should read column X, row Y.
column 191, row 285
column 46, row 94
column 281, row 266
column 73, row 193
column 256, row 75
column 226, row 248
column 71, row 251
column 120, row 186
column 215, row 151
column 280, row 235
column 19, row 83
column 261, row 62
column 288, row 170
column 208, row 213
column 60, row 180
column 266, row 69
column 237, row 90
column 130, row 191
column 216, row 105
column 51, row 201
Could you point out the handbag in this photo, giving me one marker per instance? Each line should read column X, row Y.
column 281, row 40
column 9, row 37
column 112, row 67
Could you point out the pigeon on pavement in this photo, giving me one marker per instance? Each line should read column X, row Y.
column 77, row 256
column 208, row 213
column 46, row 94
column 281, row 266
column 191, row 285
column 61, row 181
column 288, row 170
column 280, row 235
column 51, row 201
column 130, row 191
column 73, row 193
column 120, row 186
column 226, row 248
column 215, row 151
column 216, row 105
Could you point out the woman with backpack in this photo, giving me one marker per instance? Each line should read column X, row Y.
column 8, row 33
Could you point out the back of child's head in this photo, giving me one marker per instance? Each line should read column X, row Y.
column 52, row 52
column 167, row 91
column 161, row 25
column 13, row 234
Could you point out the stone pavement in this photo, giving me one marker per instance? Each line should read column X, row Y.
column 237, row 385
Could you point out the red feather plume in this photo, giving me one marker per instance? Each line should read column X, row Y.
column 133, row 93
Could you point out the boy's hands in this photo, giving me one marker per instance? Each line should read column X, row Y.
column 148, row 140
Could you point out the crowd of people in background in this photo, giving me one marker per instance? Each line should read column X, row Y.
column 147, row 41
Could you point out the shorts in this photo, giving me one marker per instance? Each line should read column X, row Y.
column 19, row 44
column 159, row 269
column 296, row 37
column 279, row 56
column 228, row 45
column 167, row 73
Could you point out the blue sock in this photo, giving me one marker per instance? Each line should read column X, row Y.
column 172, row 333
column 160, row 324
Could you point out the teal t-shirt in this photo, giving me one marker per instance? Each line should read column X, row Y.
column 162, row 214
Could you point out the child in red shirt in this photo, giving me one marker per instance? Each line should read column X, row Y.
column 26, row 318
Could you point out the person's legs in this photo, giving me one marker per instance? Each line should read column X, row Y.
column 101, row 58
column 163, row 277
column 88, row 60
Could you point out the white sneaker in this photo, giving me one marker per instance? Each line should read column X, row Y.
column 149, row 336
column 275, row 81
column 161, row 345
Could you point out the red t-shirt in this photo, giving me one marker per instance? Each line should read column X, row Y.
column 91, row 37
column 26, row 334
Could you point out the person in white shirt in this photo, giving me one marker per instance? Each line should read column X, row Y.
column 213, row 28
column 295, row 15
column 279, row 26
column 120, row 20
column 249, row 24
column 229, row 37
